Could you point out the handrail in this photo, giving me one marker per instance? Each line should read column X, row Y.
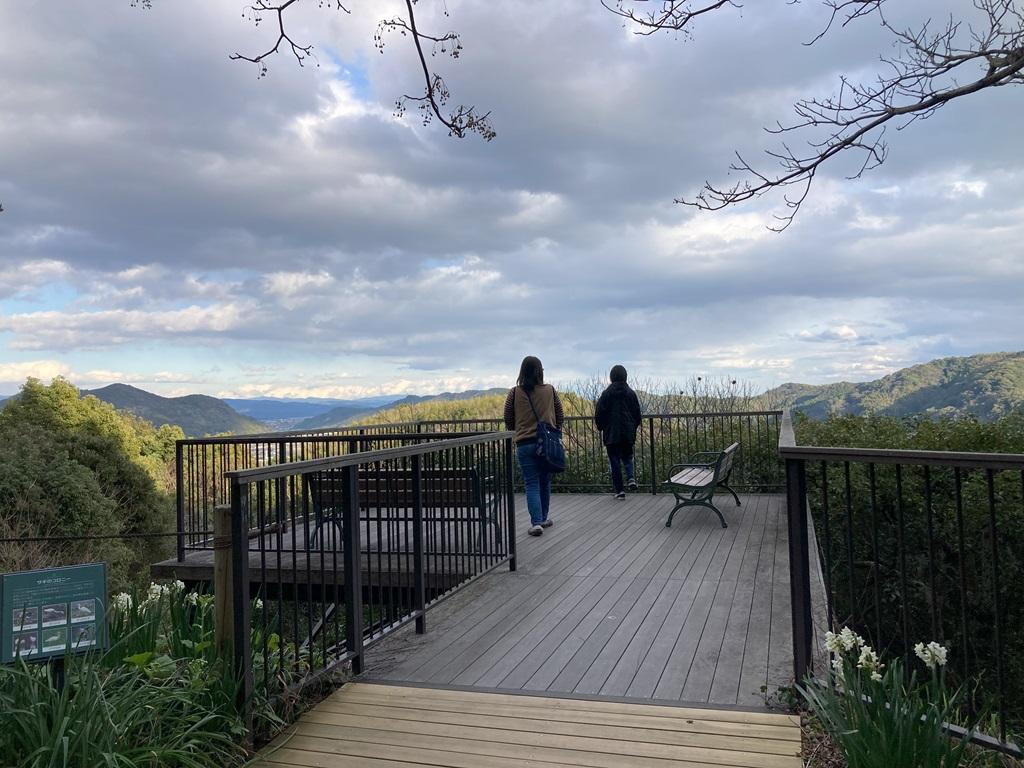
column 270, row 437
column 245, row 476
column 788, row 449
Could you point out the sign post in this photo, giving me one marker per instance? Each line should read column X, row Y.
column 48, row 613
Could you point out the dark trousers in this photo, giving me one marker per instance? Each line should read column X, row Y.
column 620, row 455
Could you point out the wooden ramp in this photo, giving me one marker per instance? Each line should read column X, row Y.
column 388, row 726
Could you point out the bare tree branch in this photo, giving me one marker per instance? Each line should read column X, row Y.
column 460, row 121
column 929, row 69
column 258, row 10
column 674, row 15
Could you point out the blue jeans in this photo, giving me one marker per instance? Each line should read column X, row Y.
column 620, row 454
column 537, row 480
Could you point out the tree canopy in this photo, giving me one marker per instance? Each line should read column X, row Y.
column 73, row 466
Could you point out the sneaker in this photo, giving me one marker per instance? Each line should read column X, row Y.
column 535, row 530
column 631, row 484
column 547, row 523
column 620, row 495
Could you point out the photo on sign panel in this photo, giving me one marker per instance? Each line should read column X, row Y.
column 55, row 615
column 25, row 618
column 55, row 639
column 83, row 610
column 26, row 643
column 83, row 635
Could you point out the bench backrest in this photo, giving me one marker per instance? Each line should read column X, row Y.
column 724, row 465
column 453, row 487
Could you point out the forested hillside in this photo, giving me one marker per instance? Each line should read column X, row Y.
column 985, row 386
column 197, row 415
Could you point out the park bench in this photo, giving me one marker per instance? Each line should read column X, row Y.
column 453, row 488
column 694, row 483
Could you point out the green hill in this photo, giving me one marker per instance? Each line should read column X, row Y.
column 197, row 415
column 985, row 386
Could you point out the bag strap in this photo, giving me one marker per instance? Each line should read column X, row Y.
column 530, row 400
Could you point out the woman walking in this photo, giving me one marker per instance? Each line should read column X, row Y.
column 618, row 415
column 531, row 399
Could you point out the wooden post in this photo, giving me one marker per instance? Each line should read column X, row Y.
column 223, row 591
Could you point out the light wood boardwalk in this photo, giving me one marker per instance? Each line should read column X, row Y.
column 383, row 726
column 610, row 602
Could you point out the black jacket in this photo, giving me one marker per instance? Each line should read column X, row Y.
column 617, row 414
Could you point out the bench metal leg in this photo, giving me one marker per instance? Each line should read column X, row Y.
column 730, row 490
column 680, row 503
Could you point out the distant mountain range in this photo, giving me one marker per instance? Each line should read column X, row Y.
column 197, row 415
column 985, row 386
column 344, row 414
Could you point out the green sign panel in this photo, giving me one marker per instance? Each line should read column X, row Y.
column 52, row 612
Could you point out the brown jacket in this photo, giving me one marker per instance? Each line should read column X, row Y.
column 519, row 416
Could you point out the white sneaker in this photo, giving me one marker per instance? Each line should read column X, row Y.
column 621, row 495
column 631, row 484
column 547, row 523
column 535, row 530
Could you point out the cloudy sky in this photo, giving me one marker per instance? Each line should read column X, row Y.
column 173, row 221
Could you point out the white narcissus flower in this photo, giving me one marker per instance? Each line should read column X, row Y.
column 837, row 666
column 832, row 642
column 876, row 676
column 122, row 601
column 191, row 598
column 258, row 604
column 933, row 655
column 850, row 640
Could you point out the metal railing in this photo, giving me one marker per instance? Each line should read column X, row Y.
column 913, row 546
column 348, row 548
column 202, row 466
column 662, row 440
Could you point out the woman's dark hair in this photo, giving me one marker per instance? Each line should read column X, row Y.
column 618, row 374
column 531, row 373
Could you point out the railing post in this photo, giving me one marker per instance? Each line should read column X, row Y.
column 650, row 440
column 353, row 588
column 799, row 567
column 282, row 491
column 419, row 559
column 223, row 584
column 179, row 495
column 510, row 492
column 241, row 620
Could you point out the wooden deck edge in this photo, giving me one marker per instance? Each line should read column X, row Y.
column 369, row 680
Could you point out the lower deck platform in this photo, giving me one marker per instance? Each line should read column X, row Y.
column 384, row 726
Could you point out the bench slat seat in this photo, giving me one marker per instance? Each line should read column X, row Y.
column 694, row 483
column 696, row 477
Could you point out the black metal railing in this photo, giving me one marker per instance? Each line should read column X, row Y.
column 662, row 440
column 338, row 551
column 203, row 464
column 913, row 546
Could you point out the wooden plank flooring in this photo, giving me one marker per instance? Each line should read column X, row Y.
column 384, row 726
column 610, row 602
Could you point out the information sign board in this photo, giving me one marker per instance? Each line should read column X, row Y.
column 53, row 611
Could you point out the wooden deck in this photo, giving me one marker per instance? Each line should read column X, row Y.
column 610, row 602
column 382, row 726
